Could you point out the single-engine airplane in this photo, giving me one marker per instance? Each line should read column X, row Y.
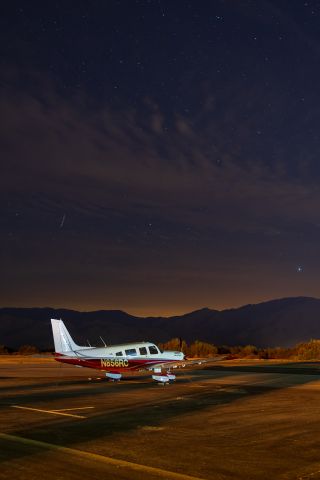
column 115, row 359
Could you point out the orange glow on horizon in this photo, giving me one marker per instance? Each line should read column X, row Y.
column 143, row 311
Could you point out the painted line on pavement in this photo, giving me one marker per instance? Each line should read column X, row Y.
column 52, row 412
column 70, row 409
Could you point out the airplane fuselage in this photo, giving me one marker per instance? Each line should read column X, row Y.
column 111, row 364
column 120, row 358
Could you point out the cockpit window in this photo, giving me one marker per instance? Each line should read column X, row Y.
column 131, row 351
column 153, row 350
column 143, row 351
column 119, row 354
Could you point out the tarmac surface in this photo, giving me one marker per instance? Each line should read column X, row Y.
column 227, row 420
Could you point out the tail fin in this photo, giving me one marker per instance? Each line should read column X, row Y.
column 63, row 342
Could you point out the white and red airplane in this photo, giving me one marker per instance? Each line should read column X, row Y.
column 115, row 359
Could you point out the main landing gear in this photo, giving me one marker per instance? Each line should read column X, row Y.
column 159, row 376
column 163, row 378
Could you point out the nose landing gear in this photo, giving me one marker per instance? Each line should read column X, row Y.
column 114, row 377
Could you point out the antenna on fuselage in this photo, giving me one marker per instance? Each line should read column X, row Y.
column 89, row 343
column 103, row 341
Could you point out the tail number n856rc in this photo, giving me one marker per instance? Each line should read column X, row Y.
column 117, row 362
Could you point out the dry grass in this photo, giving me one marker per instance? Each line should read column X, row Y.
column 25, row 359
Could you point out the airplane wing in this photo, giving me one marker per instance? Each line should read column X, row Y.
column 186, row 362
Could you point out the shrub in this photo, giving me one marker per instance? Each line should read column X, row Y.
column 309, row 350
column 28, row 350
column 3, row 350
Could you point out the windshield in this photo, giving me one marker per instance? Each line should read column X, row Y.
column 153, row 350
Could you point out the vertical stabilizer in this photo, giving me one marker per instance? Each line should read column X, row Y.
column 63, row 342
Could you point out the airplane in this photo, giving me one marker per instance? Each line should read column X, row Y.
column 115, row 359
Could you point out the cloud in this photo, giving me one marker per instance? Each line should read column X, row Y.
column 210, row 168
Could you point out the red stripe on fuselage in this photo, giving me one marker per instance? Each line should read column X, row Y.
column 112, row 364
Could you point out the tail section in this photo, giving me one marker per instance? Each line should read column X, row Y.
column 63, row 342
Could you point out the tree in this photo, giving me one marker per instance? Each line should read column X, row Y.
column 175, row 344
column 202, row 349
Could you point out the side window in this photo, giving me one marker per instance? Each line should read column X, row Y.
column 153, row 350
column 131, row 351
column 119, row 354
column 143, row 351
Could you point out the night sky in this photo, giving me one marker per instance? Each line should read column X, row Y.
column 159, row 156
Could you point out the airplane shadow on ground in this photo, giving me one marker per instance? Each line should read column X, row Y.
column 141, row 413
column 57, row 388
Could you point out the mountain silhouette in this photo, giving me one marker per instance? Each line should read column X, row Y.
column 283, row 322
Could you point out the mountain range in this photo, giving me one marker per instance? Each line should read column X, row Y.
column 283, row 322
